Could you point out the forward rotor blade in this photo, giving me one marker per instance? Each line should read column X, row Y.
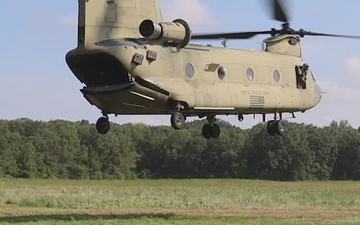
column 309, row 33
column 241, row 35
column 280, row 13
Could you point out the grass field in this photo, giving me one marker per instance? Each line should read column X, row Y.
column 178, row 202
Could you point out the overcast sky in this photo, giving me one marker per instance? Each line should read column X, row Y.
column 36, row 83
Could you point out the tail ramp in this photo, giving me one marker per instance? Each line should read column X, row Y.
column 101, row 20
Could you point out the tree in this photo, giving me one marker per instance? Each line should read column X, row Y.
column 63, row 149
column 223, row 157
column 348, row 160
column 323, row 143
column 279, row 158
column 26, row 161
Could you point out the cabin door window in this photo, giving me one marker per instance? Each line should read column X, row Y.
column 301, row 76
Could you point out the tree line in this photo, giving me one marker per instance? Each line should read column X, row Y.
column 74, row 150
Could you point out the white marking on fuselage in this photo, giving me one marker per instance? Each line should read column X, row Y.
column 214, row 108
column 143, row 96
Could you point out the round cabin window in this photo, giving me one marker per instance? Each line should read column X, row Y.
column 276, row 75
column 221, row 72
column 189, row 70
column 250, row 74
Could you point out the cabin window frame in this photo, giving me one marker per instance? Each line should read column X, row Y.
column 189, row 70
column 276, row 75
column 221, row 72
column 250, row 74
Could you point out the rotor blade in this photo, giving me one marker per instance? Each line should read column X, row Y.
column 309, row 33
column 241, row 35
column 280, row 13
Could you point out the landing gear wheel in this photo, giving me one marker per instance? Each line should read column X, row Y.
column 215, row 131
column 276, row 127
column 103, row 125
column 280, row 127
column 211, row 131
column 177, row 120
column 241, row 117
column 271, row 127
column 207, row 131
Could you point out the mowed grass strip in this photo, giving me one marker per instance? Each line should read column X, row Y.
column 181, row 194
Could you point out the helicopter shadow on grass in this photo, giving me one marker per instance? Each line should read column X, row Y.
column 82, row 217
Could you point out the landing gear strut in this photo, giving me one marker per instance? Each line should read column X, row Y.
column 103, row 125
column 211, row 129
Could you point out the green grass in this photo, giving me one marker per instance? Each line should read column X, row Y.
column 178, row 194
column 178, row 202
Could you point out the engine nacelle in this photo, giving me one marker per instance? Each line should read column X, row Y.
column 177, row 32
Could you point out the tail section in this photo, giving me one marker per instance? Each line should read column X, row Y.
column 101, row 20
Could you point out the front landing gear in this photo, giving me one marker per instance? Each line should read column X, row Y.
column 211, row 129
column 103, row 125
column 177, row 120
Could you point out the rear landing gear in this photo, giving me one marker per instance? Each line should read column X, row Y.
column 211, row 129
column 103, row 125
column 276, row 127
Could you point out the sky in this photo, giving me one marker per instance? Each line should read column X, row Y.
column 36, row 83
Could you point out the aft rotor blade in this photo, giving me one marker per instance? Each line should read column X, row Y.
column 280, row 13
column 241, row 35
column 309, row 33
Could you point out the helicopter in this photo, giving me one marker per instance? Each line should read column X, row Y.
column 134, row 63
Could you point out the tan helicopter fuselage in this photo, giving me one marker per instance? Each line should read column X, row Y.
column 125, row 73
column 201, row 80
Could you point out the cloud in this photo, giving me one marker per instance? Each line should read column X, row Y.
column 195, row 12
column 69, row 20
column 344, row 93
column 352, row 67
